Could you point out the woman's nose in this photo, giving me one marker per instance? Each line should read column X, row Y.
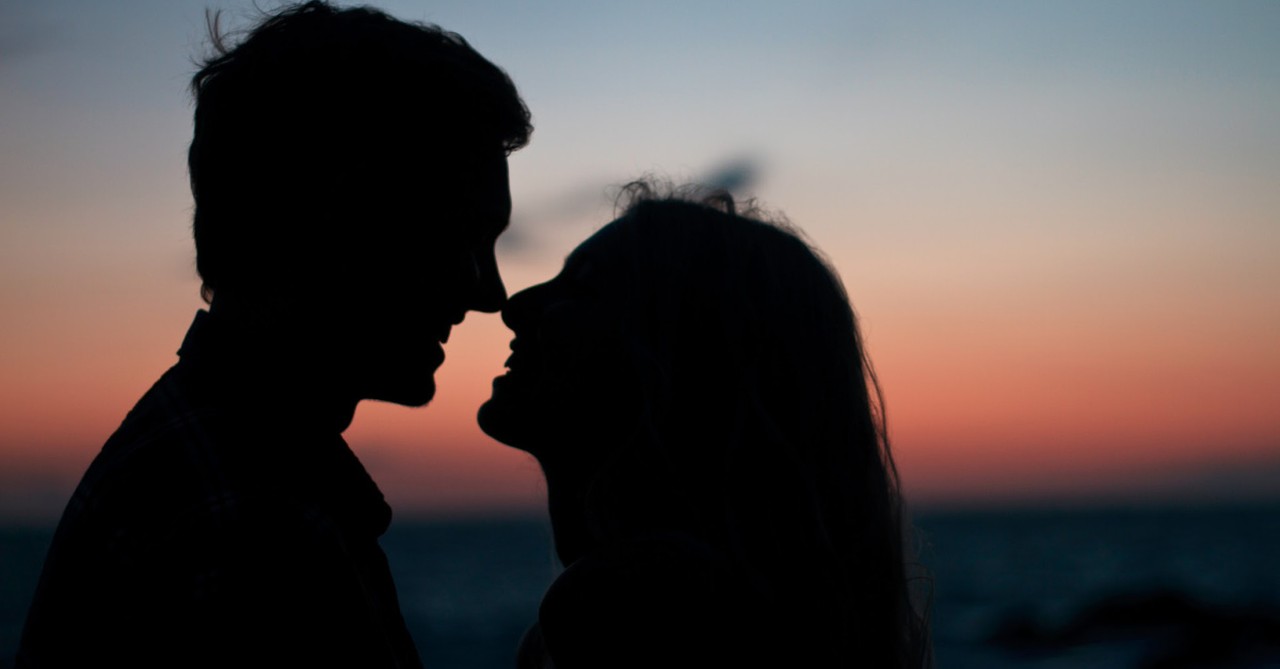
column 521, row 309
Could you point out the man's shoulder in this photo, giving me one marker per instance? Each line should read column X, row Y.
column 166, row 440
column 176, row 530
column 179, row 458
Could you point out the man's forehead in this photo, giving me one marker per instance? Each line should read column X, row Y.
column 473, row 159
column 454, row 192
column 484, row 195
column 478, row 177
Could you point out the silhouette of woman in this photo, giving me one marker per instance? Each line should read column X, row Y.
column 720, row 487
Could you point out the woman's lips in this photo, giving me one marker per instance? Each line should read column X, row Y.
column 516, row 346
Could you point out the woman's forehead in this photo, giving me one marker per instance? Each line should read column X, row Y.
column 603, row 242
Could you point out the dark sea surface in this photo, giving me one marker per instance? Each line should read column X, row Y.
column 1153, row 587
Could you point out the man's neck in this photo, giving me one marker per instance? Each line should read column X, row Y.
column 282, row 363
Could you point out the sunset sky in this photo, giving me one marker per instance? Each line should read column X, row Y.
column 1058, row 221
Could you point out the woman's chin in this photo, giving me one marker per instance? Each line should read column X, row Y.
column 503, row 416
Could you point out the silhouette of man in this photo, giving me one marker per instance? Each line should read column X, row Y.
column 350, row 181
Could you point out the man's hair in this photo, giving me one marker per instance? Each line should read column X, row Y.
column 315, row 115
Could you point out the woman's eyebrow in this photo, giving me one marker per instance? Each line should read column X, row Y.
column 573, row 260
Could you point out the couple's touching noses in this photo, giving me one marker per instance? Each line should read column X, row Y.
column 692, row 384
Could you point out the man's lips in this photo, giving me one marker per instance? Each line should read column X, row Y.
column 442, row 333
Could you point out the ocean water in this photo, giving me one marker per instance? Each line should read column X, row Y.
column 1105, row 588
column 1153, row 587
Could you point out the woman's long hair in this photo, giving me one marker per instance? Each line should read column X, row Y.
column 762, row 422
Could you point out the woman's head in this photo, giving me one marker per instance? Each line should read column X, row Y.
column 697, row 369
column 688, row 324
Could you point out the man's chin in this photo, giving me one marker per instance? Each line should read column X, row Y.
column 409, row 395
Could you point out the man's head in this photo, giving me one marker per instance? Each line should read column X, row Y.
column 349, row 175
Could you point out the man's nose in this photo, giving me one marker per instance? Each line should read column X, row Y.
column 489, row 294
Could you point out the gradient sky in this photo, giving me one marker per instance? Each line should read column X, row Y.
column 1058, row 221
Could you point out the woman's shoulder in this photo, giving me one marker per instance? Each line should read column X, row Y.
column 666, row 598
column 654, row 566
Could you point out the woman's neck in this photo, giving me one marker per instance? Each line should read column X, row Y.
column 567, row 506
